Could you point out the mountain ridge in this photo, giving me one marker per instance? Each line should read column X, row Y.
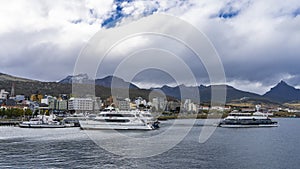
column 108, row 81
column 4, row 77
column 205, row 92
column 282, row 92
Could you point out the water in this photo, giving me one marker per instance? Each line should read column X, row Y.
column 227, row 149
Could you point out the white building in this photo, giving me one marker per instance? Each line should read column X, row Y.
column 190, row 106
column 186, row 104
column 3, row 94
column 204, row 108
column 159, row 103
column 97, row 102
column 123, row 104
column 61, row 105
column 80, row 104
column 48, row 100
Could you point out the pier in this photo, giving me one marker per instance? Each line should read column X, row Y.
column 9, row 123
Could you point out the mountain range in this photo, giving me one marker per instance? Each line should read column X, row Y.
column 105, row 82
column 281, row 93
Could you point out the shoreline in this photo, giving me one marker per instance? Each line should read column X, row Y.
column 163, row 118
column 15, row 122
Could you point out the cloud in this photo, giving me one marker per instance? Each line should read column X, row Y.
column 41, row 39
column 251, row 86
column 258, row 41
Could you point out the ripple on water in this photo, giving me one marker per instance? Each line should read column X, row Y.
column 227, row 148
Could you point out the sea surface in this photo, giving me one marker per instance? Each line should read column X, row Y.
column 227, row 148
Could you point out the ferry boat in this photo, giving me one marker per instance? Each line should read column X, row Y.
column 240, row 120
column 42, row 121
column 110, row 118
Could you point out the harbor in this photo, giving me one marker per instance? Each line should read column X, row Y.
column 71, row 147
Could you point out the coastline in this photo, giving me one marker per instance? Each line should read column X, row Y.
column 15, row 122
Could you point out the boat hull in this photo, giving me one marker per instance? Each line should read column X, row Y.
column 94, row 125
column 41, row 126
column 248, row 126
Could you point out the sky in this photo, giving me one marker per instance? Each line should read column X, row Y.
column 257, row 41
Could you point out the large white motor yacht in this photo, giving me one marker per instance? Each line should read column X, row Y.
column 111, row 118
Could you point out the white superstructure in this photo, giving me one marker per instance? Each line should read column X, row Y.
column 238, row 120
column 42, row 121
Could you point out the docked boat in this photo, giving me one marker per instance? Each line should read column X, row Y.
column 42, row 122
column 111, row 118
column 240, row 120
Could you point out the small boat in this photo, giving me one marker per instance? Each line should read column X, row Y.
column 112, row 119
column 246, row 120
column 42, row 122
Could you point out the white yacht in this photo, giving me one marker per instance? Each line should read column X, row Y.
column 42, row 121
column 111, row 118
column 240, row 120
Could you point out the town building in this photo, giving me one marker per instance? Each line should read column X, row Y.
column 97, row 104
column 122, row 104
column 19, row 98
column 189, row 106
column 3, row 94
column 60, row 105
column 159, row 103
column 48, row 100
column 80, row 104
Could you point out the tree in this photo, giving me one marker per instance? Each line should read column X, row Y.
column 2, row 112
column 28, row 112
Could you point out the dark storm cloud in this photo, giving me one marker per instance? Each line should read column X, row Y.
column 258, row 41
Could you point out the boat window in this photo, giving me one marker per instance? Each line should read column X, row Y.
column 128, row 115
column 117, row 115
column 117, row 120
column 108, row 110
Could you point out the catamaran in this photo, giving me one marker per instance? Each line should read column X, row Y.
column 239, row 120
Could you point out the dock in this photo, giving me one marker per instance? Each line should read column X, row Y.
column 9, row 123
